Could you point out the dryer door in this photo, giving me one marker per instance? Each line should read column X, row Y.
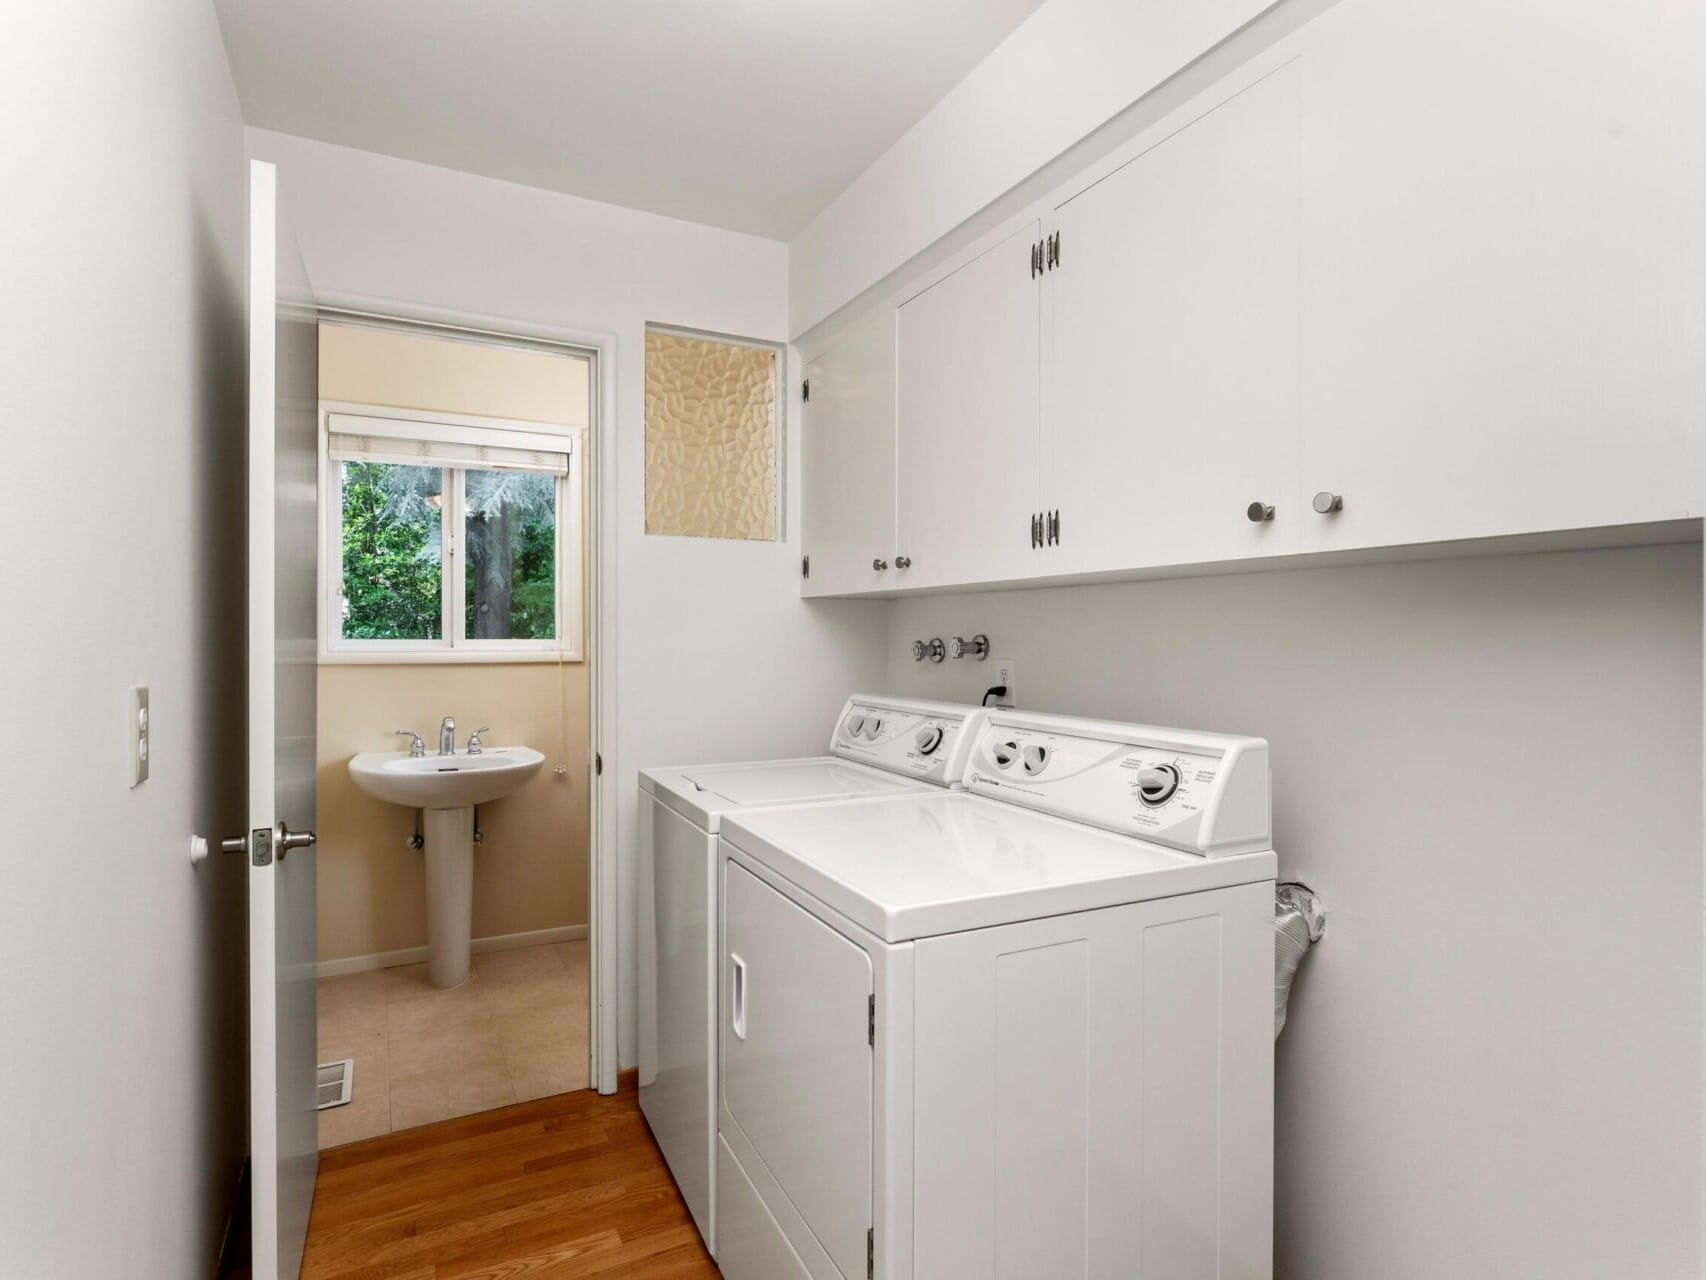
column 797, row 1059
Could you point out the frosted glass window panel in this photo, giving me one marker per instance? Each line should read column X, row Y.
column 711, row 449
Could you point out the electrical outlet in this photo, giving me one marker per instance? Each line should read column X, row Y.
column 1004, row 676
column 139, row 734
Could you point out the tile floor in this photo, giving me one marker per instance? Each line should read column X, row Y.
column 514, row 1031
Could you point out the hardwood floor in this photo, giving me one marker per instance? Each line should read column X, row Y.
column 567, row 1186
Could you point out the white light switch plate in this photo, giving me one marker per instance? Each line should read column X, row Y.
column 138, row 734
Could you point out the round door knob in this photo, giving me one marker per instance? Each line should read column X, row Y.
column 903, row 562
column 1259, row 511
column 929, row 738
column 879, row 565
column 1326, row 503
column 1156, row 783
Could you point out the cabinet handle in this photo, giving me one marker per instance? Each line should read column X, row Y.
column 1326, row 503
column 879, row 565
column 1054, row 527
column 1259, row 511
column 903, row 562
column 1033, row 531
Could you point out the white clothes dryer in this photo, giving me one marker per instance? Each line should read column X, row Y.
column 1020, row 1029
column 878, row 747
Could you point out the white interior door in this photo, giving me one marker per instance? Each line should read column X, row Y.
column 283, row 1124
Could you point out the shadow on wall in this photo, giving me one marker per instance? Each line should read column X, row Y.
column 219, row 802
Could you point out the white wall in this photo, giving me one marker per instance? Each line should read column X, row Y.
column 1067, row 70
column 717, row 656
column 1490, row 769
column 122, row 355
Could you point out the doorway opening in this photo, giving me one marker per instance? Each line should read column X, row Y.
column 460, row 652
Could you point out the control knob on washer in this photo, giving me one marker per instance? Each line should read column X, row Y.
column 1156, row 783
column 928, row 739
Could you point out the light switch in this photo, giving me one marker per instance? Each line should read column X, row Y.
column 138, row 734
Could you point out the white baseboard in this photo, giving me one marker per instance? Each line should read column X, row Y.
column 418, row 955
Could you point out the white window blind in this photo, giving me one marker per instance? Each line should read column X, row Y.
column 354, row 438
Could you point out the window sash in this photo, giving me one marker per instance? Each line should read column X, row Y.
column 389, row 443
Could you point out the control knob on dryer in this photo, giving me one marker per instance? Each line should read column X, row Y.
column 928, row 739
column 1156, row 783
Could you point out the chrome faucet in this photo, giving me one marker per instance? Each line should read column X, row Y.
column 417, row 748
column 447, row 736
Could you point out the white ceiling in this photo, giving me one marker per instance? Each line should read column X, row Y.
column 745, row 114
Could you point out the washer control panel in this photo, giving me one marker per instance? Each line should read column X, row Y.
column 1203, row 792
column 923, row 739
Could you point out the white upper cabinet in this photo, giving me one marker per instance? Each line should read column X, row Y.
column 1503, row 260
column 1173, row 347
column 847, row 462
column 969, row 408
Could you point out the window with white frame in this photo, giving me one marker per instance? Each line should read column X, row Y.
column 447, row 538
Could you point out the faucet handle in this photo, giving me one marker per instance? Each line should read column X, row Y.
column 416, row 746
column 475, row 746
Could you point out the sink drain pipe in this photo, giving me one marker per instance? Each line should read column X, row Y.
column 1299, row 922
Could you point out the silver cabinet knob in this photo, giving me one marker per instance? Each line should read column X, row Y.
column 1259, row 512
column 1326, row 503
column 903, row 562
column 879, row 565
column 919, row 650
column 936, row 650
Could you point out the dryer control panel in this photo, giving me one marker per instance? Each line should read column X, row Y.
column 927, row 740
column 1206, row 793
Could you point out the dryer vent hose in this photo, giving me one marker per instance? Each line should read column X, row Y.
column 1299, row 922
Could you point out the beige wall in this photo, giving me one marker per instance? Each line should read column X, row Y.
column 531, row 872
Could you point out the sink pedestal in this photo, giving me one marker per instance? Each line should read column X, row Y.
column 449, row 835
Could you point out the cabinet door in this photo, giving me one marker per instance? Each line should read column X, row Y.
column 969, row 406
column 847, row 461
column 1172, row 383
column 1502, row 263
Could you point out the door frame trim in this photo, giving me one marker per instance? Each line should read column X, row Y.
column 466, row 326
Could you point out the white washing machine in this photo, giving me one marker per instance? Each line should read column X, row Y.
column 1024, row 1029
column 879, row 747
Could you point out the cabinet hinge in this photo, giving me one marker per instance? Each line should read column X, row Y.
column 871, row 1021
column 806, row 389
column 870, row 1253
column 805, row 566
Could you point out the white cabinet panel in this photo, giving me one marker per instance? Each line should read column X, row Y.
column 796, row 1074
column 1094, row 1093
column 969, row 408
column 1173, row 340
column 1502, row 266
column 677, row 999
column 847, row 462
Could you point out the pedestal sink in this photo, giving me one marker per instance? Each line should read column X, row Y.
column 446, row 788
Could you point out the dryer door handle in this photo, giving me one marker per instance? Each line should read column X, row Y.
column 737, row 997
